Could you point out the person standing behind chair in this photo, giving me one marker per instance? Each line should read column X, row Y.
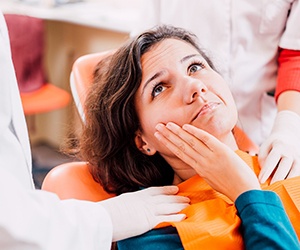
column 256, row 46
column 35, row 219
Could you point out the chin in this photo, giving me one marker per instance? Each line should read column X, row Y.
column 219, row 130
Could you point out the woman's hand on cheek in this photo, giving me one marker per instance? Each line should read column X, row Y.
column 219, row 165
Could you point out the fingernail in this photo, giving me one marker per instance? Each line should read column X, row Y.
column 159, row 127
column 187, row 128
column 170, row 125
column 157, row 135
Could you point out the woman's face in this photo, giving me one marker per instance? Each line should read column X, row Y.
column 179, row 86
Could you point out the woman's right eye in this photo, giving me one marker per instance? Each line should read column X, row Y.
column 157, row 89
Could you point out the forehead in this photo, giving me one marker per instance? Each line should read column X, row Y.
column 167, row 51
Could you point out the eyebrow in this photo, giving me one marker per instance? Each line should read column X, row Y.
column 158, row 74
column 188, row 57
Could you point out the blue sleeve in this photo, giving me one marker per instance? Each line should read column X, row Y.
column 265, row 224
column 161, row 239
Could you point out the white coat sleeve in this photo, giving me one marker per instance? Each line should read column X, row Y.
column 15, row 153
column 34, row 219
column 38, row 220
column 291, row 36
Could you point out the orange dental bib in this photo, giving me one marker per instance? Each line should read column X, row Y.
column 212, row 221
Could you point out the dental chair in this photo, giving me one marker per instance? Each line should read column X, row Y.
column 27, row 40
column 73, row 180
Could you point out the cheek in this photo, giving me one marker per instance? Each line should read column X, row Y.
column 223, row 92
column 232, row 109
column 231, row 103
column 148, row 120
column 221, row 89
column 148, row 126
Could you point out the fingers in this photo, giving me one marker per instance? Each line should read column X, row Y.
column 268, row 165
column 170, row 218
column 169, row 199
column 169, row 208
column 288, row 168
column 281, row 164
column 189, row 135
column 280, row 161
column 165, row 207
column 264, row 150
column 173, row 141
column 160, row 195
column 165, row 196
column 197, row 148
column 283, row 168
column 207, row 139
column 280, row 154
column 195, row 138
column 167, row 190
column 295, row 171
column 188, row 143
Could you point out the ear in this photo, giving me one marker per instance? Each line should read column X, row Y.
column 143, row 145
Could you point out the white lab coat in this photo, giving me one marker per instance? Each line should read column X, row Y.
column 242, row 38
column 35, row 219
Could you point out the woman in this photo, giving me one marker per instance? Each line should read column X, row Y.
column 151, row 87
column 256, row 44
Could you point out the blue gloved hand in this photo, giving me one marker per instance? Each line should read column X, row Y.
column 280, row 153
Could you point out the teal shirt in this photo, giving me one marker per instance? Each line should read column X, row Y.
column 265, row 225
column 157, row 239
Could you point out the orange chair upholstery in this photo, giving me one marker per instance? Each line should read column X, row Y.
column 244, row 142
column 45, row 99
column 73, row 180
column 82, row 76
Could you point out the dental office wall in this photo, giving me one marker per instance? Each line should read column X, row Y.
column 65, row 43
column 72, row 30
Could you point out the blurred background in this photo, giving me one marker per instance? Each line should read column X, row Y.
column 70, row 29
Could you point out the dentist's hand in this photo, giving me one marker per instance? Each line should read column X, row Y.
column 281, row 151
column 214, row 161
column 135, row 213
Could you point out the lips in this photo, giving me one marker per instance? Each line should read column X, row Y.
column 206, row 108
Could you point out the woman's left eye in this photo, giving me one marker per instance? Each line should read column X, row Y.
column 195, row 67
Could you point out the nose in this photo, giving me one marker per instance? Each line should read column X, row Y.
column 193, row 89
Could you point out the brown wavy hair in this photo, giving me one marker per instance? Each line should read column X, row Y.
column 107, row 139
